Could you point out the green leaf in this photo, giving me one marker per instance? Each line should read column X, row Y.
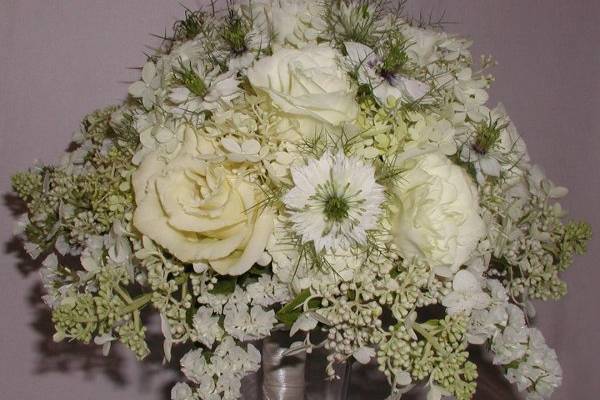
column 290, row 312
column 225, row 285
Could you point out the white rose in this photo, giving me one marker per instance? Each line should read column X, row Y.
column 437, row 216
column 199, row 210
column 306, row 83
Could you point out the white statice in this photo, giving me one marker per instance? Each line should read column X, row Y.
column 466, row 294
column 385, row 84
column 335, row 201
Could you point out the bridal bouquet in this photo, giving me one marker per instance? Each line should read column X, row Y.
column 318, row 166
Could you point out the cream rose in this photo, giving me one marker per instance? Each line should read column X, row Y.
column 306, row 83
column 437, row 217
column 199, row 210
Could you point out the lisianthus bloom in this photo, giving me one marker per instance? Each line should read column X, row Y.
column 436, row 216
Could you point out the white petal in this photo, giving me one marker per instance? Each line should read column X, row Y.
column 148, row 72
column 137, row 89
column 359, row 54
column 415, row 89
column 364, row 354
column 250, row 147
column 464, row 281
column 304, row 323
column 231, row 145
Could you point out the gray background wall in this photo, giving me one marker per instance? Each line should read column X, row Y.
column 63, row 58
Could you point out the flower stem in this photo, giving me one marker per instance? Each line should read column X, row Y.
column 421, row 330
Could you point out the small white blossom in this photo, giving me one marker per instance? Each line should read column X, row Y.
column 248, row 151
column 511, row 344
column 247, row 323
column 268, row 290
column 471, row 95
column 182, row 391
column 466, row 294
column 147, row 87
column 364, row 354
column 207, row 326
column 305, row 322
column 539, row 373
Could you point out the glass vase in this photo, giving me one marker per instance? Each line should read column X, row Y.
column 300, row 376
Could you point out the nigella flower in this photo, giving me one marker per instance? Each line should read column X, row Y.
column 385, row 81
column 495, row 146
column 201, row 87
column 335, row 202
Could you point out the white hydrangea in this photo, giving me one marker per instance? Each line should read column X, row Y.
column 423, row 44
column 294, row 23
column 146, row 89
column 219, row 377
column 248, row 323
column 157, row 133
column 511, row 344
column 182, row 391
column 268, row 290
column 540, row 373
column 432, row 132
column 485, row 324
column 206, row 327
column 466, row 294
